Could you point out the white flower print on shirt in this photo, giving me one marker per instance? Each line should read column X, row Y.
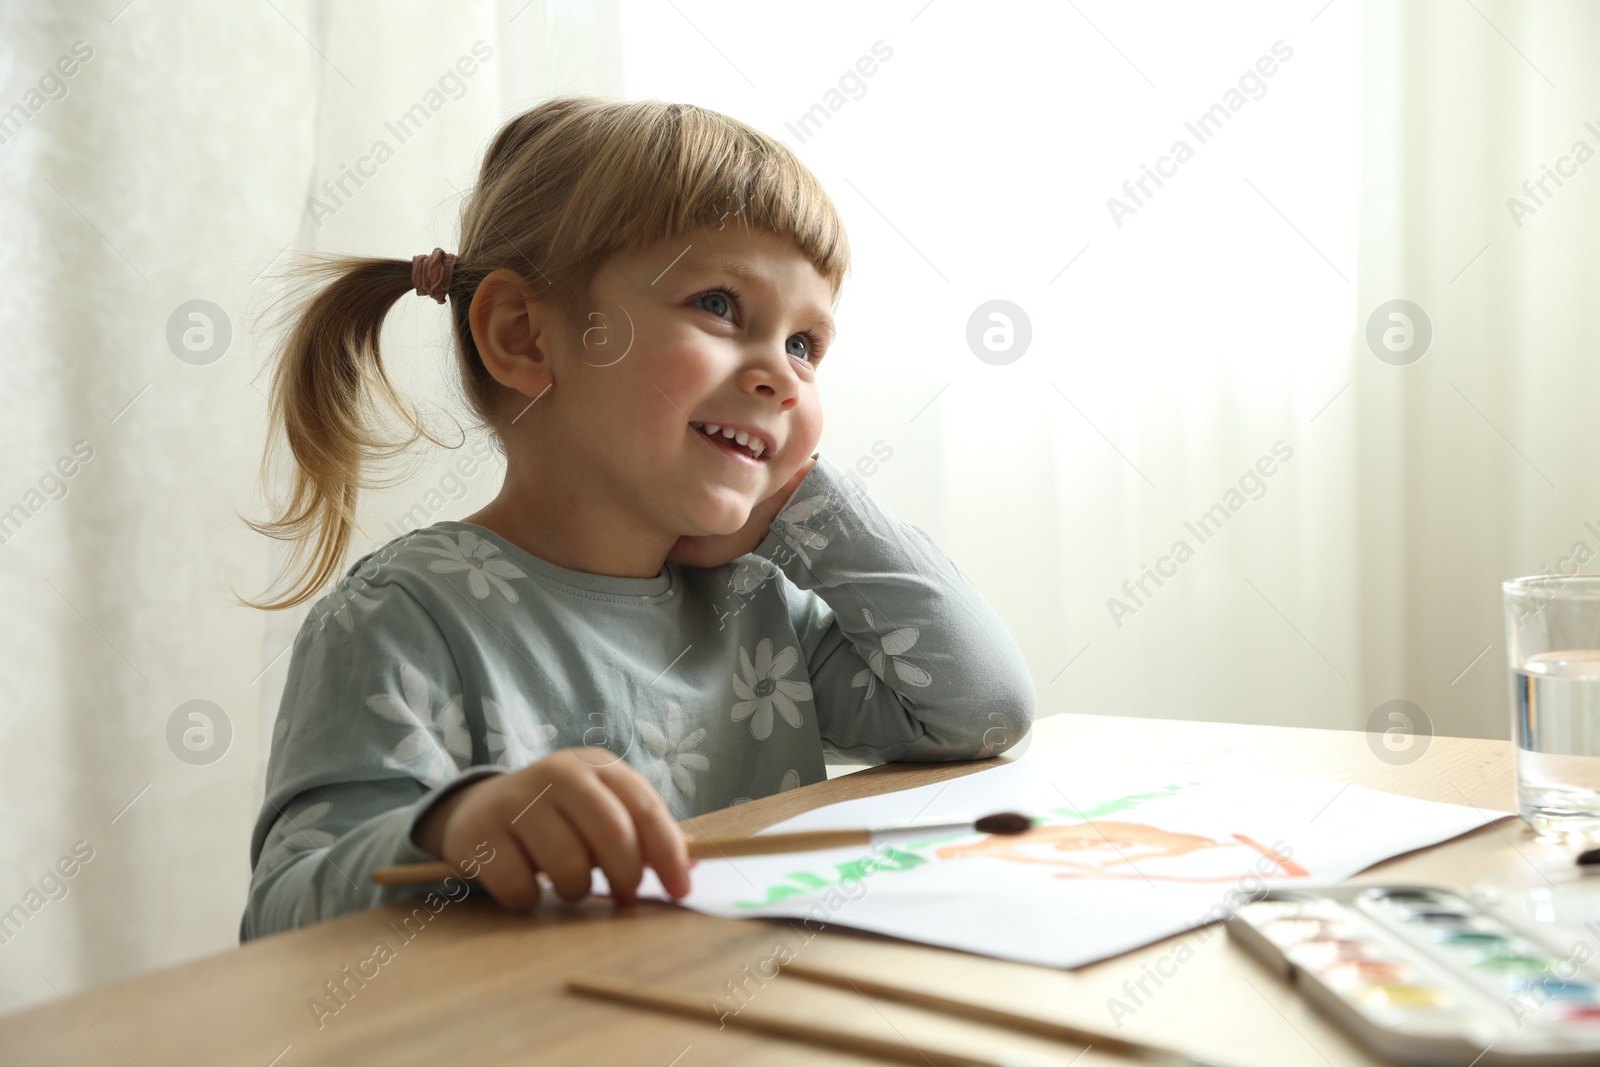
column 863, row 678
column 791, row 780
column 515, row 736
column 798, row 536
column 765, row 687
column 750, row 573
column 438, row 741
column 897, row 643
column 481, row 561
column 674, row 763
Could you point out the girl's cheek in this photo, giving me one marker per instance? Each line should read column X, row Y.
column 812, row 432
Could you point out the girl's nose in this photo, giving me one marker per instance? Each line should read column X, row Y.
column 760, row 379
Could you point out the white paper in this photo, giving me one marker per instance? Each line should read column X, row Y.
column 1117, row 863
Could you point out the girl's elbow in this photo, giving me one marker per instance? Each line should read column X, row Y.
column 1007, row 720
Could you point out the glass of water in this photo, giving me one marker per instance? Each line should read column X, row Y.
column 1553, row 642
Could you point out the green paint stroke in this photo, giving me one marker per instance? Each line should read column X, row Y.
column 801, row 883
column 1132, row 800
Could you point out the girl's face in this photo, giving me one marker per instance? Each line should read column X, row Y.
column 721, row 328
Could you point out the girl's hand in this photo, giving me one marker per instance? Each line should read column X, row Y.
column 718, row 549
column 575, row 809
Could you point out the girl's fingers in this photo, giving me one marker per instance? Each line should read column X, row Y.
column 600, row 813
column 660, row 841
column 511, row 877
column 607, row 829
column 556, row 849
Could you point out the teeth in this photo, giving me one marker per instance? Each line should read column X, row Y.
column 755, row 445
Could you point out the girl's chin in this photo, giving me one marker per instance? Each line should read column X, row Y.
column 721, row 503
column 732, row 525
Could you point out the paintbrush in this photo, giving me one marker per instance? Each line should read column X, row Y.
column 716, row 848
column 817, row 1030
column 1023, row 1022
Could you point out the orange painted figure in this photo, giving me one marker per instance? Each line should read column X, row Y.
column 1130, row 850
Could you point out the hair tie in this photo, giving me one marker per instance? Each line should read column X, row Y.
column 430, row 274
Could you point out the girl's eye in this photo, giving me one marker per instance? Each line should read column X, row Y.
column 719, row 302
column 716, row 302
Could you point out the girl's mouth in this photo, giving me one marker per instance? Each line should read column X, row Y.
column 751, row 454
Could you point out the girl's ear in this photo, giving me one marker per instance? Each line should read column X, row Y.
column 513, row 332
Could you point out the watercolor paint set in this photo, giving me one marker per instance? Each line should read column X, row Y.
column 1426, row 975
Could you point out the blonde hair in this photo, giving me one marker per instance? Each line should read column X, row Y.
column 564, row 187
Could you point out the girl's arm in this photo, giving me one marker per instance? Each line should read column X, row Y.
column 326, row 852
column 371, row 733
column 907, row 660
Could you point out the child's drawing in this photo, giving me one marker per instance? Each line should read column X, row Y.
column 1127, row 861
column 1131, row 850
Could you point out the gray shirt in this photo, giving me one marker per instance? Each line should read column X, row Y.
column 451, row 654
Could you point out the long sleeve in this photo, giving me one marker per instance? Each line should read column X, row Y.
column 907, row 661
column 371, row 732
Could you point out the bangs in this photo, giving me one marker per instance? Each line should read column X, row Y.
column 657, row 170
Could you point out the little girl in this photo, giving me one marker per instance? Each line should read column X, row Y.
column 674, row 604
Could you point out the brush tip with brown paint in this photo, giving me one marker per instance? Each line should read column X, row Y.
column 1005, row 822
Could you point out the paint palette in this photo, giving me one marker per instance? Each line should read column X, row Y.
column 1424, row 975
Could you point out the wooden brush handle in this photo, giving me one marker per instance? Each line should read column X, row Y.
column 1001, row 1017
column 781, row 1024
column 413, row 874
column 700, row 848
column 716, row 848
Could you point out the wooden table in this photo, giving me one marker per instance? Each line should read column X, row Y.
column 482, row 986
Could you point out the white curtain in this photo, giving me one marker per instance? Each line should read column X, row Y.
column 1184, row 342
column 1338, row 156
column 1178, row 335
column 177, row 163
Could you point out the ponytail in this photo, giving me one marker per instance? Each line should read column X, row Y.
column 330, row 395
